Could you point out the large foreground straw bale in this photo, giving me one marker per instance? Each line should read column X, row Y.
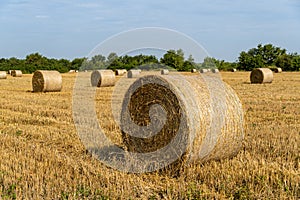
column 3, row 75
column 16, row 73
column 261, row 75
column 103, row 78
column 46, row 81
column 194, row 118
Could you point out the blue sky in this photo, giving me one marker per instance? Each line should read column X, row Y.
column 72, row 28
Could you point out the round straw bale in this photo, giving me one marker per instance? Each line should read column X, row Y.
column 203, row 70
column 3, row 75
column 46, row 81
column 164, row 72
column 198, row 118
column 261, row 75
column 103, row 78
column 233, row 70
column 121, row 72
column 277, row 70
column 16, row 73
column 133, row 73
column 193, row 70
column 215, row 71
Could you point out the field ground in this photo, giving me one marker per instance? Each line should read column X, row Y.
column 41, row 156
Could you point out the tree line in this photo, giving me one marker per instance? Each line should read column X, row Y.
column 268, row 56
column 36, row 61
column 261, row 56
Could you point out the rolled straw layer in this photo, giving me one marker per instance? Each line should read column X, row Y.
column 3, row 75
column 261, row 75
column 197, row 118
column 103, row 78
column 121, row 72
column 133, row 73
column 16, row 73
column 46, row 81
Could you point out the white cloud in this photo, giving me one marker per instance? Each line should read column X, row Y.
column 88, row 5
column 42, row 16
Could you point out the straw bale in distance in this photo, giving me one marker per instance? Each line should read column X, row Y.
column 164, row 72
column 46, row 81
column 121, row 72
column 215, row 70
column 3, row 75
column 133, row 73
column 233, row 70
column 261, row 75
column 189, row 103
column 203, row 70
column 277, row 70
column 16, row 73
column 193, row 70
column 103, row 78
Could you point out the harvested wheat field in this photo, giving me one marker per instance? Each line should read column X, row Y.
column 42, row 157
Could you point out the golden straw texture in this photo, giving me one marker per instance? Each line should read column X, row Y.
column 278, row 70
column 203, row 70
column 261, row 75
column 215, row 71
column 3, row 75
column 164, row 72
column 16, row 73
column 121, row 72
column 103, row 78
column 46, row 81
column 133, row 73
column 199, row 113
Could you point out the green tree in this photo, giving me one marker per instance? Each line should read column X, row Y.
column 98, row 62
column 261, row 56
column 76, row 64
column 64, row 65
column 295, row 62
column 284, row 62
column 174, row 59
column 191, row 59
column 34, row 62
column 111, row 57
column 209, row 63
column 187, row 65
